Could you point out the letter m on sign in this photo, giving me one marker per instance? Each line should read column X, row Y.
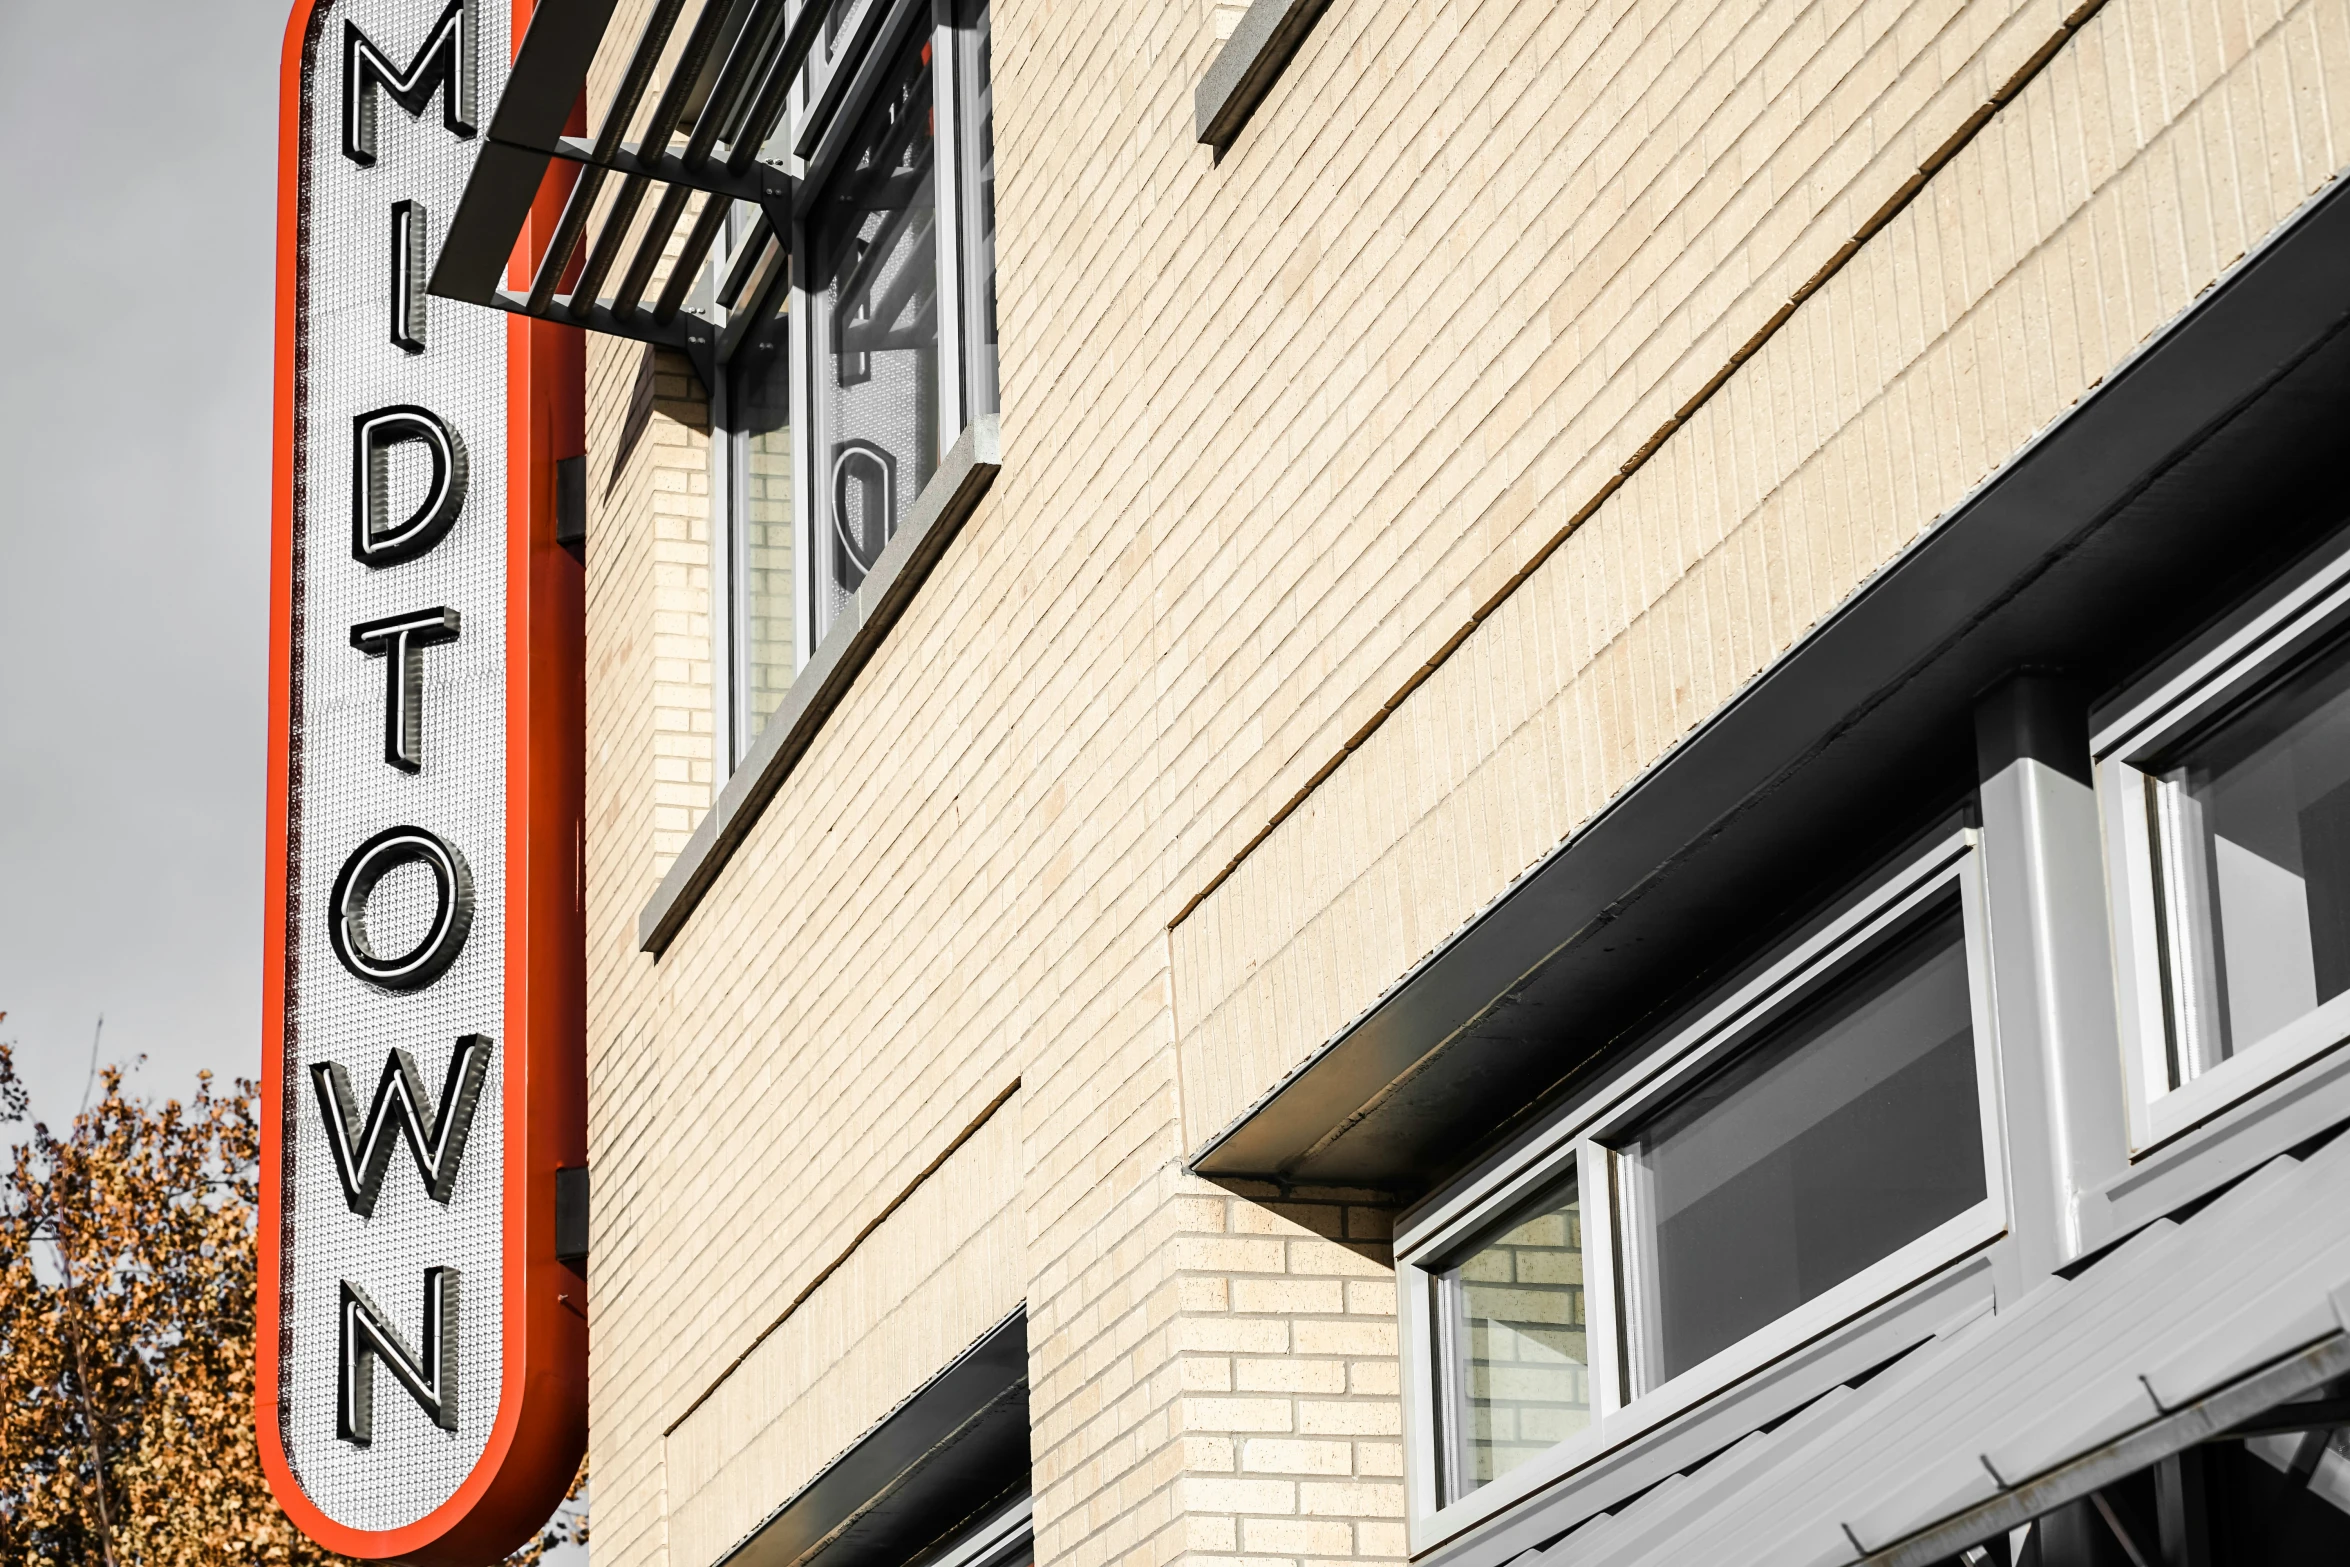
column 443, row 62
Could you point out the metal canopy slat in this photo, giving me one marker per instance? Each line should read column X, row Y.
column 774, row 92
column 741, row 60
column 746, row 260
column 641, row 63
column 726, row 90
column 606, row 248
column 698, row 240
column 649, row 249
column 670, row 108
column 759, row 299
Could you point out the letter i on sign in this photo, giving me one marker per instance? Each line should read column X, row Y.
column 421, row 1388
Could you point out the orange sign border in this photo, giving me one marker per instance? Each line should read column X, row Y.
column 540, row 1430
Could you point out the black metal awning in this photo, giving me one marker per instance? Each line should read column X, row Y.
column 688, row 133
column 2199, row 469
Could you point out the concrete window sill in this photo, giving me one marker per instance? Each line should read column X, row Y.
column 950, row 497
column 1245, row 69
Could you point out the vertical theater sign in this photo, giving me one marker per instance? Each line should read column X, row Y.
column 421, row 1385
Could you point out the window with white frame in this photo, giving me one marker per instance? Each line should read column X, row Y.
column 999, row 1536
column 895, row 264
column 856, row 352
column 2226, row 794
column 1821, row 1136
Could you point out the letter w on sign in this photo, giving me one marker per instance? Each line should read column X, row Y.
column 363, row 1150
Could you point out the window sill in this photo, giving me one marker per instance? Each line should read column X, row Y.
column 945, row 503
column 1245, row 69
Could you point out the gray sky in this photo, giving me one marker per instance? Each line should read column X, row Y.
column 134, row 520
column 140, row 203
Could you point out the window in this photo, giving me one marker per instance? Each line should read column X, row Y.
column 897, row 276
column 855, row 354
column 2227, row 799
column 1841, row 1135
column 874, row 284
column 1516, row 1315
column 1822, row 1136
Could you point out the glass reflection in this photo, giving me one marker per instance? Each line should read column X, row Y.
column 1517, row 1306
column 874, row 239
column 979, row 204
column 2254, row 835
column 1844, row 1133
column 760, row 402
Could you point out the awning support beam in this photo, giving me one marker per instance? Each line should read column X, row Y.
column 747, row 75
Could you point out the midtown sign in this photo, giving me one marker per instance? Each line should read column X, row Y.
column 421, row 1385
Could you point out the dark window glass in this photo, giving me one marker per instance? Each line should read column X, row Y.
column 2255, row 844
column 876, row 291
column 1848, row 1130
column 1518, row 1330
column 760, row 408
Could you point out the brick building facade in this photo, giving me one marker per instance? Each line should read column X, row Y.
column 1422, row 424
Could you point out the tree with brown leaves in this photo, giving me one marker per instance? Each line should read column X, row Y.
column 127, row 1279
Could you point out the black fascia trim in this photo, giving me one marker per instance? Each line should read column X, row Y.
column 1245, row 69
column 957, row 1444
column 938, row 513
column 2110, row 537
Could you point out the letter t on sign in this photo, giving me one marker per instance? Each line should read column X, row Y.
column 400, row 641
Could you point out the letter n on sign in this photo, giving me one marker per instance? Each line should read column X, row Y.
column 422, row 1388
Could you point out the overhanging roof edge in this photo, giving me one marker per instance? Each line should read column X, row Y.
column 2281, row 301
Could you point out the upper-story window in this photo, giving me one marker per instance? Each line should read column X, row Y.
column 2227, row 800
column 878, row 332
column 1817, row 1137
column 874, row 281
column 897, row 269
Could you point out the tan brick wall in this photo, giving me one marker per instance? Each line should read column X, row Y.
column 1291, row 1430
column 1275, row 428
column 648, row 768
column 945, row 1266
column 2149, row 155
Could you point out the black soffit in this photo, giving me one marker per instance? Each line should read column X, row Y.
column 712, row 116
column 957, row 1446
column 2204, row 467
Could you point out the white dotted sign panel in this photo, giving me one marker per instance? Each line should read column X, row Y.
column 398, row 727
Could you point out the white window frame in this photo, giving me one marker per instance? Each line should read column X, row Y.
column 2233, row 672
column 998, row 1539
column 1577, row 1137
column 729, row 492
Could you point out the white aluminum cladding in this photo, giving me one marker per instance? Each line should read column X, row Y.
column 394, row 1069
column 2159, row 1344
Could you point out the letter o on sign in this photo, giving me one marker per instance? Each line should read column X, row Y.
column 452, row 913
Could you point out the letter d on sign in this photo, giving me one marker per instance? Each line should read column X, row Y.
column 424, row 998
